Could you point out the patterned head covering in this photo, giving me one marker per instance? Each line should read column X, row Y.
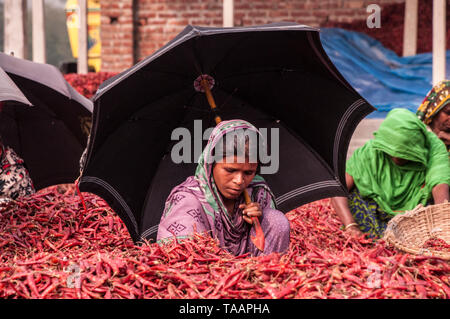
column 436, row 99
column 203, row 174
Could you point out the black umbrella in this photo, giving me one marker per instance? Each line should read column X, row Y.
column 51, row 135
column 9, row 90
column 274, row 76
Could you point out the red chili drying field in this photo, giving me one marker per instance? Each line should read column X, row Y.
column 51, row 248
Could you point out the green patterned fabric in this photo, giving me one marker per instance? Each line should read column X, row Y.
column 371, row 219
column 399, row 188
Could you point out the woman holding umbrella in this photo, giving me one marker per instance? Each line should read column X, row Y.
column 403, row 166
column 435, row 111
column 212, row 200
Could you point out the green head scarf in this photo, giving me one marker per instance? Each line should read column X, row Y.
column 399, row 188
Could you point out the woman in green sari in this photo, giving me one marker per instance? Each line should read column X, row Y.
column 403, row 166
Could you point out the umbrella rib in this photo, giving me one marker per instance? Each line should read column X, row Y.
column 115, row 194
column 49, row 112
column 14, row 64
column 230, row 95
column 266, row 70
column 125, row 74
column 34, row 99
column 296, row 136
column 185, row 76
column 235, row 90
column 305, row 189
column 344, row 118
column 340, row 129
column 228, row 53
column 326, row 63
column 227, row 99
column 95, row 123
column 152, row 103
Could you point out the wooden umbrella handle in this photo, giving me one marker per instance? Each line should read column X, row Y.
column 210, row 99
column 258, row 240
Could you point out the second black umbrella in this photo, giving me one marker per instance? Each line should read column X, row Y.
column 51, row 135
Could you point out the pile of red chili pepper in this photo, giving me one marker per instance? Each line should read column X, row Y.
column 51, row 247
column 437, row 244
column 87, row 84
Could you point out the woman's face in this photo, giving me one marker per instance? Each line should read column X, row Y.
column 441, row 122
column 232, row 177
column 399, row 161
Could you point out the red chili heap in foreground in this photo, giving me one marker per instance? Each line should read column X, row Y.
column 51, row 248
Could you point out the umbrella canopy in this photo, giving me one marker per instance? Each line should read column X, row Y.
column 51, row 135
column 9, row 90
column 275, row 76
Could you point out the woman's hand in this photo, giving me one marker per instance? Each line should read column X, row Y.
column 354, row 231
column 249, row 211
column 440, row 193
column 444, row 136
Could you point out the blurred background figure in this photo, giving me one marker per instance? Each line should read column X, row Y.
column 15, row 181
column 403, row 166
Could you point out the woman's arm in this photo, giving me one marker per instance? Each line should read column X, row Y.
column 438, row 168
column 440, row 193
column 184, row 218
column 340, row 205
column 444, row 137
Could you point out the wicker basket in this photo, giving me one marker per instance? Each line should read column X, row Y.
column 409, row 231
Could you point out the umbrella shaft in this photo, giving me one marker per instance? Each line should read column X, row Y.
column 210, row 99
column 213, row 106
column 258, row 241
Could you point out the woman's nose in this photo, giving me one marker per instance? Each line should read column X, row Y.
column 238, row 179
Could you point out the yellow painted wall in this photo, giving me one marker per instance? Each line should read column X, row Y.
column 94, row 43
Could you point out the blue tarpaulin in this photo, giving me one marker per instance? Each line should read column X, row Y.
column 383, row 78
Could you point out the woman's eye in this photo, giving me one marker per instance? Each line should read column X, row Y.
column 249, row 173
column 229, row 170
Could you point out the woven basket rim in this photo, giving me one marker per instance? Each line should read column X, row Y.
column 389, row 235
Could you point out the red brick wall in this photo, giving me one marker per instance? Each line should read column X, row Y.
column 116, row 31
column 391, row 32
column 134, row 29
